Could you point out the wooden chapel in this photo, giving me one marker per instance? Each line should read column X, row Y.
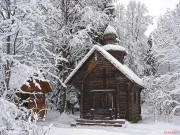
column 108, row 88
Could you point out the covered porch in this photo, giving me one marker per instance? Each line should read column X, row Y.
column 104, row 104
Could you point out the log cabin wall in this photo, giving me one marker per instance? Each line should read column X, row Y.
column 118, row 55
column 123, row 98
column 136, row 108
column 94, row 79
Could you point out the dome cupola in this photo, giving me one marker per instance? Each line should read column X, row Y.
column 111, row 44
column 110, row 35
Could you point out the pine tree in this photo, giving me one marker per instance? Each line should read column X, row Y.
column 150, row 68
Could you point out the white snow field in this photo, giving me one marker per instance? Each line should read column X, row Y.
column 61, row 126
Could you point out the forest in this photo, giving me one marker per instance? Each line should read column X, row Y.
column 48, row 38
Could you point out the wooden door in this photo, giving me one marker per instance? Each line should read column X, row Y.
column 103, row 100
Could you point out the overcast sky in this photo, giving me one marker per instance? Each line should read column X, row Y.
column 156, row 8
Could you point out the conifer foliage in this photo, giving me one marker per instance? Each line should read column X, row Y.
column 163, row 92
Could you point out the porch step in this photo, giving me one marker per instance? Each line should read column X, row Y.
column 101, row 117
column 115, row 123
column 120, row 121
column 99, row 124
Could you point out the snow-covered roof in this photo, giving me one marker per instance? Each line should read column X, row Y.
column 123, row 68
column 113, row 47
column 36, row 85
column 110, row 30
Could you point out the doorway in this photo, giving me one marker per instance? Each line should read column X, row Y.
column 103, row 99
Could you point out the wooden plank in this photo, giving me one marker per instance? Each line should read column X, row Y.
column 90, row 68
column 99, row 124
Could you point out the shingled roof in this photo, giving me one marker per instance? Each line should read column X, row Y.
column 35, row 85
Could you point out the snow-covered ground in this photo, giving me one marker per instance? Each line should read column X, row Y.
column 61, row 126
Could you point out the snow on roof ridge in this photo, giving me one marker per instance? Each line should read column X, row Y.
column 110, row 29
column 123, row 68
column 114, row 47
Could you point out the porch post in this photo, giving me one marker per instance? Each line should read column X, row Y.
column 117, row 102
column 128, row 101
column 81, row 107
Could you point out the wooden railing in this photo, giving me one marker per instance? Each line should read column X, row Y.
column 103, row 112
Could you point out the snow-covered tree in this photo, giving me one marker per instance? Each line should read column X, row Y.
column 164, row 86
column 83, row 24
column 150, row 67
column 11, row 29
column 131, row 24
column 53, row 36
column 136, row 24
column 61, row 32
column 16, row 121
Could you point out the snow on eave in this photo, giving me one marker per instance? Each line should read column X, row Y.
column 114, row 47
column 123, row 68
column 80, row 64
